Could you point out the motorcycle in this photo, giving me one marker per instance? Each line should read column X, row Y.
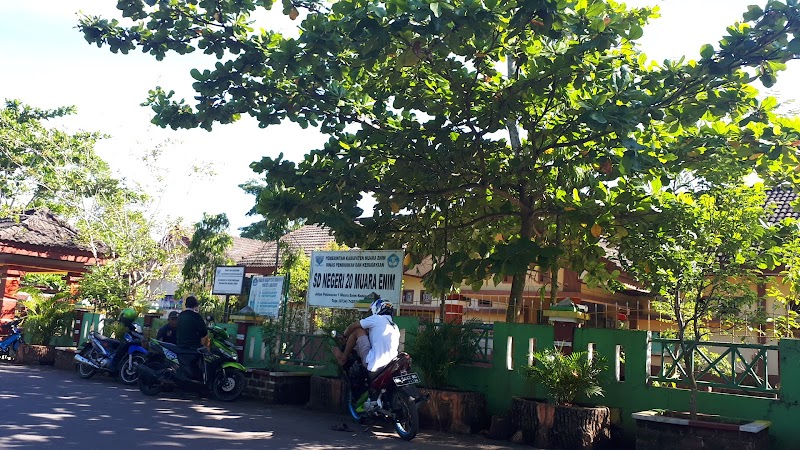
column 120, row 358
column 394, row 388
column 220, row 371
column 10, row 344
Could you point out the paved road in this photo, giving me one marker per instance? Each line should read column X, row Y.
column 41, row 407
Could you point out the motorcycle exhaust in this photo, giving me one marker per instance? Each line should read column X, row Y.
column 148, row 373
column 83, row 360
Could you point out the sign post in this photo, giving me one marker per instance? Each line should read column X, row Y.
column 228, row 280
column 266, row 294
column 344, row 278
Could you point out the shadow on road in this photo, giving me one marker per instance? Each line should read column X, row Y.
column 44, row 407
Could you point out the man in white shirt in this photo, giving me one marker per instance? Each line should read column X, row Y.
column 376, row 339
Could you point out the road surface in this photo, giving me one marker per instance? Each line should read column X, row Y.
column 42, row 407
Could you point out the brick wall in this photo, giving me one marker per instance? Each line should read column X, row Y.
column 278, row 387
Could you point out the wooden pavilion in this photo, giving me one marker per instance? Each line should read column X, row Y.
column 39, row 242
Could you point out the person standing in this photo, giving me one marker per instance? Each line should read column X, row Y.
column 192, row 334
column 168, row 333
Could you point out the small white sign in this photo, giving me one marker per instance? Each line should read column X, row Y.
column 265, row 295
column 342, row 279
column 228, row 280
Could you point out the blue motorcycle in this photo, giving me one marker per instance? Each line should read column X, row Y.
column 9, row 344
column 120, row 358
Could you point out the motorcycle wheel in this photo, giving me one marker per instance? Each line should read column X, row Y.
column 406, row 416
column 151, row 388
column 84, row 370
column 350, row 402
column 128, row 373
column 228, row 384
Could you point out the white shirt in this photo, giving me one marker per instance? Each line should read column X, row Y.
column 384, row 338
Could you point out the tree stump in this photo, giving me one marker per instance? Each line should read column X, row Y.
column 326, row 394
column 564, row 427
column 29, row 354
column 452, row 411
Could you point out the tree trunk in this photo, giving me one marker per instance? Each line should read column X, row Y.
column 515, row 300
column 556, row 426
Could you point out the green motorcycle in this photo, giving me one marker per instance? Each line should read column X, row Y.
column 218, row 367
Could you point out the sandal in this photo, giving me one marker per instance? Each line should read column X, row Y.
column 342, row 427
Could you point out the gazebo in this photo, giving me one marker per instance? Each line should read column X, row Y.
column 39, row 242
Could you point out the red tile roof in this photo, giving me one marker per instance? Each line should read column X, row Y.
column 306, row 238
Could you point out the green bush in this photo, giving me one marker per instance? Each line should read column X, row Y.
column 566, row 376
column 438, row 347
column 47, row 317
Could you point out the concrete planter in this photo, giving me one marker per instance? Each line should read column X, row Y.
column 29, row 354
column 666, row 430
column 452, row 411
column 561, row 427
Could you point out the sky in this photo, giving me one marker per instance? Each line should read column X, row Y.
column 45, row 62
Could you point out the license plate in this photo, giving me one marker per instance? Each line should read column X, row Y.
column 409, row 378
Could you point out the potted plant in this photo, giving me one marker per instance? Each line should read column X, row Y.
column 436, row 349
column 561, row 422
column 47, row 317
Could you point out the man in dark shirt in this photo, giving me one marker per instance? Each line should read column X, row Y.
column 168, row 333
column 192, row 334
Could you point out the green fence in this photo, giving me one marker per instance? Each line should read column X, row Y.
column 628, row 385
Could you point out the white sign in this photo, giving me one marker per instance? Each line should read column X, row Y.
column 341, row 279
column 228, row 280
column 265, row 295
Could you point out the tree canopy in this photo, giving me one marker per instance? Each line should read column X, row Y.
column 43, row 166
column 496, row 136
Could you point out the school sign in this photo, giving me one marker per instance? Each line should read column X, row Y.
column 342, row 279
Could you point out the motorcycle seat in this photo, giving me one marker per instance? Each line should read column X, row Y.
column 102, row 338
column 180, row 350
column 373, row 375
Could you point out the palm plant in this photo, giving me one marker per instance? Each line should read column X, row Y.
column 566, row 376
column 47, row 316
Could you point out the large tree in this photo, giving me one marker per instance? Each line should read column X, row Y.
column 43, row 166
column 488, row 132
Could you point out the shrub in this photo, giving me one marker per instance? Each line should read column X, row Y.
column 437, row 348
column 566, row 376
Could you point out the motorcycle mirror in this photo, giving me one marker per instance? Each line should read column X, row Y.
column 334, row 333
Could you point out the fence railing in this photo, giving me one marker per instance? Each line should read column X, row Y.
column 730, row 366
column 305, row 349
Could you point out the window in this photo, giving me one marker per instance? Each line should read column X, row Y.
column 485, row 303
column 425, row 298
column 408, row 296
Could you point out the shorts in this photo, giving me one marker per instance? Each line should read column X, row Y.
column 363, row 347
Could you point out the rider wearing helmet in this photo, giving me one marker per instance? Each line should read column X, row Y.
column 376, row 338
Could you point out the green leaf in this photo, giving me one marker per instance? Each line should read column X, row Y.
column 794, row 46
column 707, row 51
column 655, row 185
column 436, row 9
column 753, row 13
column 635, row 32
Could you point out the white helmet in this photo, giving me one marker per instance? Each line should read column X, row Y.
column 380, row 306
